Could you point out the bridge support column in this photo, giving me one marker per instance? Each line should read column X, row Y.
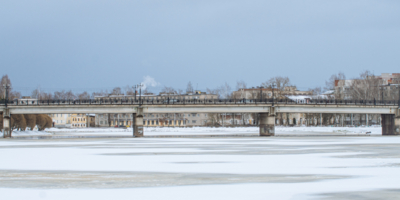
column 391, row 124
column 342, row 120
column 351, row 119
column 267, row 123
column 6, row 123
column 137, row 125
column 320, row 119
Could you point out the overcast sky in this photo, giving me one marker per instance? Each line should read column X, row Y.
column 102, row 44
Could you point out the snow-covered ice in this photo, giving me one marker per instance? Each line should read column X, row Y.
column 313, row 167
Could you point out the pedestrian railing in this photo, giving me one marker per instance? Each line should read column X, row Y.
column 54, row 102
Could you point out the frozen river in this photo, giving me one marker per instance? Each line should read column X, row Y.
column 246, row 167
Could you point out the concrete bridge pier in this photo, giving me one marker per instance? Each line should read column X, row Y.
column 137, row 125
column 6, row 123
column 391, row 123
column 267, row 123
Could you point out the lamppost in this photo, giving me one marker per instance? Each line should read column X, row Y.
column 261, row 87
column 140, row 92
column 273, row 87
column 6, row 87
column 134, row 91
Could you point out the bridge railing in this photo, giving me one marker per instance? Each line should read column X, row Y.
column 55, row 102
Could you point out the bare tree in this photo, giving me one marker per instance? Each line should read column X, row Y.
column 46, row 96
column 116, row 91
column 129, row 90
column 212, row 91
column 280, row 82
column 14, row 95
column 366, row 87
column 70, row 95
column 240, row 85
column 331, row 82
column 189, row 88
column 59, row 95
column 11, row 94
column 225, row 91
column 169, row 90
column 83, row 95
column 4, row 80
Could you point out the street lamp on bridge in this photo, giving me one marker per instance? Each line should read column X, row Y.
column 6, row 87
column 273, row 87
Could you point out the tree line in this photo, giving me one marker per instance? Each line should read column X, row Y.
column 22, row 122
column 364, row 86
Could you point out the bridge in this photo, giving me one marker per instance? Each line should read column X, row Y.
column 267, row 109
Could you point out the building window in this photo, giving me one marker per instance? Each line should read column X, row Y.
column 101, row 122
column 193, row 121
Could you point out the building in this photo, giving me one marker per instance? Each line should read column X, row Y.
column 160, row 96
column 78, row 120
column 26, row 100
column 91, row 120
column 61, row 120
column 386, row 87
column 261, row 92
column 156, row 119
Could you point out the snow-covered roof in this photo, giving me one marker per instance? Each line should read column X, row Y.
column 299, row 97
column 328, row 92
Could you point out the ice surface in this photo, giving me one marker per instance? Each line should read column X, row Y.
column 200, row 168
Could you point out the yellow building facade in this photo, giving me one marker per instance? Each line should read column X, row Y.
column 79, row 120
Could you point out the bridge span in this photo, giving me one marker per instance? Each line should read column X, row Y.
column 267, row 109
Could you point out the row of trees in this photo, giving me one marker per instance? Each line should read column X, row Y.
column 23, row 122
column 365, row 86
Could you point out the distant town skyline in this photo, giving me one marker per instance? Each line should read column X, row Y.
column 104, row 44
